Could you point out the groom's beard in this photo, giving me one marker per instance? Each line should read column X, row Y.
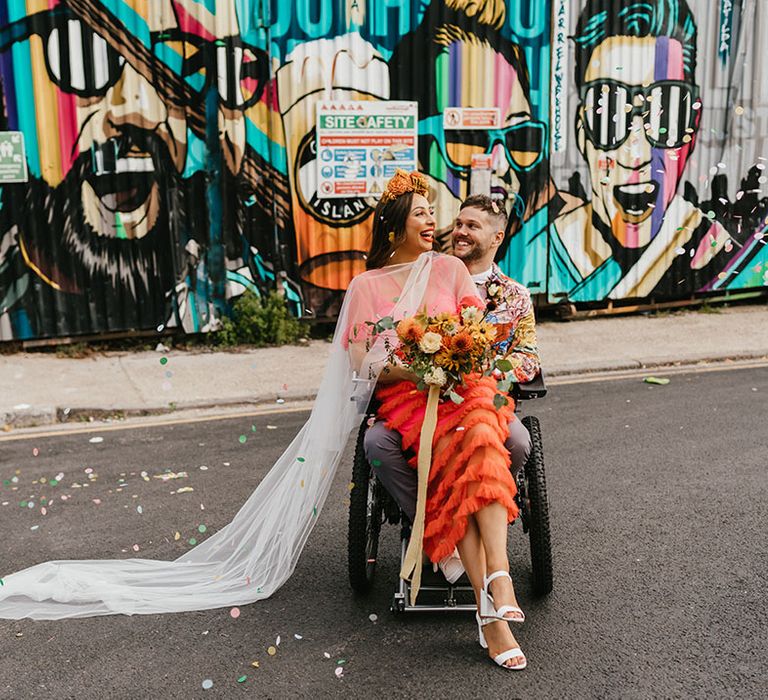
column 56, row 232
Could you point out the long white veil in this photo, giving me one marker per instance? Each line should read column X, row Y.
column 252, row 556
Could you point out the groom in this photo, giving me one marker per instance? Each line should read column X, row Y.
column 477, row 234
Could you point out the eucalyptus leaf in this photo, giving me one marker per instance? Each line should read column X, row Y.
column 499, row 401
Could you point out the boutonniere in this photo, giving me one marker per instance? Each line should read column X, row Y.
column 494, row 292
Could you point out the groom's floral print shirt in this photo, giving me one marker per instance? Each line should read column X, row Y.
column 510, row 305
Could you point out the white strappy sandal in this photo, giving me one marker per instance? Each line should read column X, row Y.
column 487, row 608
column 501, row 659
column 517, row 652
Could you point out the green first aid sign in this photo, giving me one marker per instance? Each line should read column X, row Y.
column 13, row 158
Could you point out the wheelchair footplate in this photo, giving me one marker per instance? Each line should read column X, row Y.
column 435, row 593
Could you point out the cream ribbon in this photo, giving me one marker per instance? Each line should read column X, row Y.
column 411, row 568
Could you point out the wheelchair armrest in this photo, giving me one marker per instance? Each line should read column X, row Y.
column 535, row 389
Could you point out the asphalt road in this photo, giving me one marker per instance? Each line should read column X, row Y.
column 658, row 497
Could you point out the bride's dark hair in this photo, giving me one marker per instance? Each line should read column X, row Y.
column 388, row 218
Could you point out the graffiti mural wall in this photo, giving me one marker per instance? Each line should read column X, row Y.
column 659, row 149
column 172, row 163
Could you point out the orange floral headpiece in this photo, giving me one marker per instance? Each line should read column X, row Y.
column 402, row 183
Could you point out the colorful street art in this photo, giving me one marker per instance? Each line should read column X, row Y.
column 660, row 158
column 170, row 148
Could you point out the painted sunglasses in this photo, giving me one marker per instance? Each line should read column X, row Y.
column 81, row 62
column 669, row 110
column 524, row 143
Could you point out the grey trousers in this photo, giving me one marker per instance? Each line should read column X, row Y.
column 384, row 450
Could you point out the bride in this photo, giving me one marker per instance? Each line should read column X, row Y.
column 470, row 496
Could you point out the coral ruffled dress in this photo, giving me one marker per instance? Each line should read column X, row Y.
column 470, row 465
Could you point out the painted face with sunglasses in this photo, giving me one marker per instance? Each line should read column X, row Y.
column 636, row 128
column 517, row 147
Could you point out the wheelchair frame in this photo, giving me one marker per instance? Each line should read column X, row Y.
column 371, row 506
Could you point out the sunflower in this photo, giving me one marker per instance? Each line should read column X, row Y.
column 449, row 359
column 484, row 332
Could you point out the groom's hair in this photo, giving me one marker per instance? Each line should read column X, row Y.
column 494, row 209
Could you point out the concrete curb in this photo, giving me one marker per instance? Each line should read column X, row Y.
column 27, row 417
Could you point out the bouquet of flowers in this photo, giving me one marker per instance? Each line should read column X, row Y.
column 442, row 350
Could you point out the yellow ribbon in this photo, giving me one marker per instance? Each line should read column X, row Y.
column 411, row 568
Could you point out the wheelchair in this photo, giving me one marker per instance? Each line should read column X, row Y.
column 371, row 507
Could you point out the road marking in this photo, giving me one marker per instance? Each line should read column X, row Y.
column 652, row 371
column 153, row 423
column 564, row 380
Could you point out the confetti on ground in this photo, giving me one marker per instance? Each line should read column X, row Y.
column 207, row 683
column 139, row 510
column 373, row 617
column 97, row 501
column 35, row 451
column 185, row 489
column 242, row 439
column 280, row 401
column 192, row 541
column 96, row 440
column 339, row 671
column 255, row 664
column 326, row 655
column 177, row 536
column 271, row 651
column 202, row 528
column 662, row 381
column 135, row 548
column 242, row 679
column 234, row 613
column 166, row 476
column 271, row 427
column 297, row 636
column 163, row 360
column 277, row 641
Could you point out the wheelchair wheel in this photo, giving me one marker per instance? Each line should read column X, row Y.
column 537, row 511
column 365, row 520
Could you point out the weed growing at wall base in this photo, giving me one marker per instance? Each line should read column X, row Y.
column 259, row 321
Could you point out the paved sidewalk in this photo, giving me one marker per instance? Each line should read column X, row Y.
column 38, row 389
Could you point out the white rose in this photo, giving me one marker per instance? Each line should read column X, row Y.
column 471, row 314
column 431, row 343
column 435, row 375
